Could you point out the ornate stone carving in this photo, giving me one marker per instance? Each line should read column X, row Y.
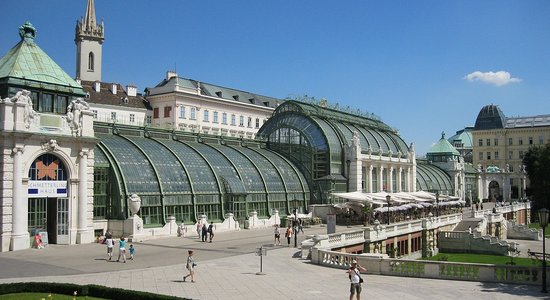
column 28, row 114
column 50, row 146
column 355, row 140
column 74, row 115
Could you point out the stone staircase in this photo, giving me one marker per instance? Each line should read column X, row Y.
column 464, row 242
column 523, row 232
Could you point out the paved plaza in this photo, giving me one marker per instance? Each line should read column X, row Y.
column 227, row 270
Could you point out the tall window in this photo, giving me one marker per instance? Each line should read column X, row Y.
column 113, row 116
column 224, row 118
column 241, row 121
column 91, row 61
column 530, row 140
column 510, row 141
column 215, row 118
column 488, row 155
column 496, row 142
column 167, row 110
column 496, row 154
column 148, row 120
column 182, row 112
column 249, row 122
column 132, row 118
column 46, row 105
column 488, row 142
column 233, row 120
column 520, row 141
column 60, row 104
column 205, row 116
column 193, row 113
column 257, row 123
column 480, row 142
column 156, row 112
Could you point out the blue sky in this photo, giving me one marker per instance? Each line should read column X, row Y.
column 423, row 66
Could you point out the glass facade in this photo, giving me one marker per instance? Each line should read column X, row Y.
column 186, row 177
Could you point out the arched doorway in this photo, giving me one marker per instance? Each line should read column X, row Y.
column 494, row 191
column 48, row 210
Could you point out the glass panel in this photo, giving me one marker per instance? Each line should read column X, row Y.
column 170, row 172
column 269, row 172
column 200, row 175
column 250, row 176
column 62, row 216
column 139, row 176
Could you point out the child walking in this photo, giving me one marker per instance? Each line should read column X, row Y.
column 132, row 251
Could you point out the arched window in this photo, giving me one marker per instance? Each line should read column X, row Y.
column 91, row 61
column 47, row 167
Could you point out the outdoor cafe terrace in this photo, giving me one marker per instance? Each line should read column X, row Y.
column 365, row 208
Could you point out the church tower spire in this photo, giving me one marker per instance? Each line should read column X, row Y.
column 89, row 39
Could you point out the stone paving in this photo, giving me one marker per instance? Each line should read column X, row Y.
column 227, row 270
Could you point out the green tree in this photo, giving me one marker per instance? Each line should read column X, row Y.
column 537, row 166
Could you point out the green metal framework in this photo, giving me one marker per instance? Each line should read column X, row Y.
column 186, row 176
column 314, row 137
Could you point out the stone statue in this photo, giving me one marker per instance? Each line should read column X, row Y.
column 23, row 97
column 355, row 139
column 74, row 115
column 507, row 168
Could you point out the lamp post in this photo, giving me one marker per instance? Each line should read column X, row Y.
column 348, row 163
column 295, row 203
column 437, row 204
column 543, row 219
column 388, row 199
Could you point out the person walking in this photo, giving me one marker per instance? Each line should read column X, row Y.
column 190, row 266
column 288, row 234
column 301, row 225
column 355, row 279
column 277, row 241
column 110, row 245
column 211, row 231
column 122, row 249
column 199, row 229
column 204, row 232
column 132, row 250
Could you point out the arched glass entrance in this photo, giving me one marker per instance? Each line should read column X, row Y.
column 48, row 211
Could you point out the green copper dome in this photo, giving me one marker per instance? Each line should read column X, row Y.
column 443, row 147
column 26, row 64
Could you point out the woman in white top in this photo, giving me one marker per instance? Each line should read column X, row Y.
column 110, row 244
column 355, row 279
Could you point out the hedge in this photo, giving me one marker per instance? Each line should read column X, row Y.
column 81, row 290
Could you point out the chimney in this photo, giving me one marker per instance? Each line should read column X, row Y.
column 170, row 74
column 78, row 81
column 113, row 88
column 97, row 86
column 131, row 90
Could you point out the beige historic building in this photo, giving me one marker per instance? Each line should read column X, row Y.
column 499, row 144
column 199, row 107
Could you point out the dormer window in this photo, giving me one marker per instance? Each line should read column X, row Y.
column 219, row 94
column 236, row 97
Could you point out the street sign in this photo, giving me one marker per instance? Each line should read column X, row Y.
column 261, row 251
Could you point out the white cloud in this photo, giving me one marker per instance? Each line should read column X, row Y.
column 499, row 78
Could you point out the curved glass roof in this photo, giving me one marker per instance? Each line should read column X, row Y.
column 431, row 178
column 202, row 178
column 100, row 159
column 292, row 178
column 462, row 137
column 269, row 172
column 139, row 176
column 222, row 166
column 249, row 174
column 171, row 175
column 171, row 167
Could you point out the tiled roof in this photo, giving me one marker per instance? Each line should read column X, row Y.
column 207, row 89
column 105, row 96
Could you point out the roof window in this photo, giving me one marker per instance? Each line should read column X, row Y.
column 219, row 94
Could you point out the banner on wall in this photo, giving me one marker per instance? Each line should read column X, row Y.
column 47, row 188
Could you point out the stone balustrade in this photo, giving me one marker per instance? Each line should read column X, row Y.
column 430, row 269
